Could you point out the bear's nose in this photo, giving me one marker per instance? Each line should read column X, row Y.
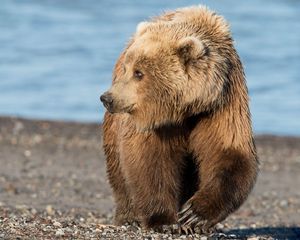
column 106, row 99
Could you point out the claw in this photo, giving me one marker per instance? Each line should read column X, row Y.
column 201, row 226
column 183, row 229
column 201, row 223
column 191, row 220
column 207, row 229
column 179, row 230
column 187, row 229
column 186, row 207
column 185, row 215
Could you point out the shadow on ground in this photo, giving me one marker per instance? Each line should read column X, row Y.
column 274, row 232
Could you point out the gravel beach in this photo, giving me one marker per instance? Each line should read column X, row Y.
column 53, row 185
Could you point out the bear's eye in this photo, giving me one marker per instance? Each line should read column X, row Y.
column 123, row 67
column 138, row 74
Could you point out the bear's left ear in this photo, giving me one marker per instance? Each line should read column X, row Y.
column 142, row 28
column 190, row 48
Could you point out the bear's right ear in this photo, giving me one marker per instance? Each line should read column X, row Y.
column 190, row 48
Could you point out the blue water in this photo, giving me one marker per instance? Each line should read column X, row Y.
column 56, row 56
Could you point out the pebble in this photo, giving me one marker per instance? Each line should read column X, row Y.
column 18, row 127
column 124, row 227
column 33, row 211
column 98, row 195
column 21, row 207
column 59, row 232
column 253, row 225
column 175, row 227
column 242, row 227
column 233, row 236
column 283, row 203
column 34, row 195
column 253, row 238
column 219, row 226
column 37, row 138
column 50, row 210
column 27, row 153
column 70, row 230
column 57, row 224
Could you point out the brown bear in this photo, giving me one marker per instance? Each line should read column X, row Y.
column 177, row 134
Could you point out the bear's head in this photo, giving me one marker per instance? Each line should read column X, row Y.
column 172, row 70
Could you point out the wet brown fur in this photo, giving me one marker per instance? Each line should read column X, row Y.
column 187, row 149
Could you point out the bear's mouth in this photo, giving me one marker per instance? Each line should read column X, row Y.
column 128, row 109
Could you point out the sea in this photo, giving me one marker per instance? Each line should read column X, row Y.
column 57, row 56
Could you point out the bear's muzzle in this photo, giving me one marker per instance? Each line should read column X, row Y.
column 107, row 100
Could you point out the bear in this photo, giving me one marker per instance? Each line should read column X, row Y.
column 177, row 133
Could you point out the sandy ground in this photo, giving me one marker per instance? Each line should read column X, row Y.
column 53, row 185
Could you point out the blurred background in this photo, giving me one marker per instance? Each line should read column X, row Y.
column 56, row 56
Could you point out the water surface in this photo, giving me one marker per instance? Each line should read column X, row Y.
column 56, row 56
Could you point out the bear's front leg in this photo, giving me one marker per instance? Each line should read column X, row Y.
column 152, row 170
column 125, row 213
column 226, row 178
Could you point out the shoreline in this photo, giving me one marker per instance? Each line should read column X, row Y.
column 7, row 118
column 53, row 184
